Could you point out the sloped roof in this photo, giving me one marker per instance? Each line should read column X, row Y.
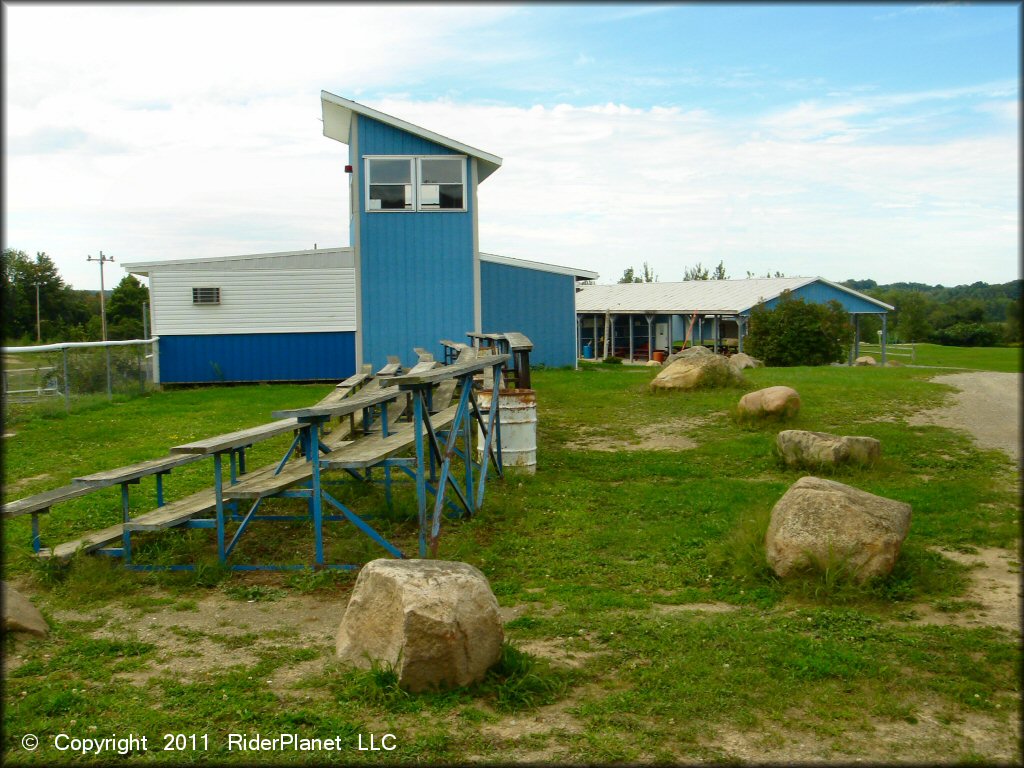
column 338, row 111
column 725, row 297
column 318, row 258
column 540, row 266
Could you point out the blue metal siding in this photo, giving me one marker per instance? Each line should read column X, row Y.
column 539, row 304
column 820, row 293
column 416, row 268
column 257, row 357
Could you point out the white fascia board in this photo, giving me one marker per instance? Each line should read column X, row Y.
column 136, row 267
column 540, row 266
column 337, row 117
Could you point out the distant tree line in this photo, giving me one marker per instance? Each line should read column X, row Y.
column 976, row 315
column 65, row 314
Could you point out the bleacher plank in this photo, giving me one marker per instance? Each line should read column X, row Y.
column 175, row 513
column 414, row 378
column 86, row 543
column 343, row 407
column 266, row 483
column 135, row 471
column 370, row 451
column 242, row 437
column 44, row 500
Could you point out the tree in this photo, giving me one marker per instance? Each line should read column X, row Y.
column 696, row 272
column 795, row 332
column 912, row 320
column 719, row 273
column 124, row 309
column 57, row 306
column 629, row 275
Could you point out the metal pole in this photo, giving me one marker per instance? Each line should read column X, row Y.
column 67, row 382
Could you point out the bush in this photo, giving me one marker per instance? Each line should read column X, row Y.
column 796, row 332
column 970, row 335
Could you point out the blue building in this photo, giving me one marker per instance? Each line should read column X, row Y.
column 412, row 274
column 635, row 320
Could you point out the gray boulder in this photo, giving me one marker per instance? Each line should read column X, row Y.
column 688, row 353
column 865, row 360
column 19, row 613
column 708, row 370
column 435, row 622
column 801, row 448
column 778, row 401
column 822, row 524
column 742, row 360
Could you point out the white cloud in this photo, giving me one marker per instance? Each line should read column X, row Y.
column 193, row 131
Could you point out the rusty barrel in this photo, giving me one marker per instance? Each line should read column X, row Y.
column 518, row 411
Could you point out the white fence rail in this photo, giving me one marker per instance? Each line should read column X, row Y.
column 77, row 368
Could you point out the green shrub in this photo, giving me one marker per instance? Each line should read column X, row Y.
column 970, row 335
column 796, row 332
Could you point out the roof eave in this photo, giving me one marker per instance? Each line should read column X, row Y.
column 337, row 118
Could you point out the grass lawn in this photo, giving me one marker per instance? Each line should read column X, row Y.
column 975, row 358
column 643, row 622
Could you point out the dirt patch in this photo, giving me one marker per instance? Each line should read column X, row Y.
column 930, row 734
column 556, row 652
column 223, row 632
column 995, row 589
column 695, row 607
column 672, row 435
column 986, row 406
column 17, row 485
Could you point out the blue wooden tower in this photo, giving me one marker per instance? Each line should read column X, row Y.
column 413, row 230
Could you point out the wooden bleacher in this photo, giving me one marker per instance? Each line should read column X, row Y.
column 350, row 447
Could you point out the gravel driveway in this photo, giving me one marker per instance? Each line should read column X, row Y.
column 987, row 406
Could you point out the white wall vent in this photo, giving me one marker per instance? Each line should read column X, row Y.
column 206, row 295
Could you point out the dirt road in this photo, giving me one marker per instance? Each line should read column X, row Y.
column 987, row 406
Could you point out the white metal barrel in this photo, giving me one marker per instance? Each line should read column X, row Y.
column 518, row 411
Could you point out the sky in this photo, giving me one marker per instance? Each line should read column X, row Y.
column 841, row 141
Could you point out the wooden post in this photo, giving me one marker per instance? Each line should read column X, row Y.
column 607, row 323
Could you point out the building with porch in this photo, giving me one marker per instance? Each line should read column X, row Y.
column 635, row 320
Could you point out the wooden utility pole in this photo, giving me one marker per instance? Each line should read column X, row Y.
column 103, row 312
column 103, row 318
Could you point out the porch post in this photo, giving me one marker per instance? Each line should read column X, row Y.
column 883, row 337
column 630, row 338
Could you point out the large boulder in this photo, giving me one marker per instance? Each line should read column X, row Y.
column 783, row 402
column 865, row 360
column 800, row 448
column 824, row 524
column 742, row 360
column 19, row 613
column 435, row 622
column 709, row 370
column 688, row 353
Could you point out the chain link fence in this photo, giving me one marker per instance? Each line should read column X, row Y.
column 50, row 374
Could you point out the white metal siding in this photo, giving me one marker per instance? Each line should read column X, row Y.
column 254, row 301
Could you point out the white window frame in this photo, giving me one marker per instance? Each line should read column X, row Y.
column 417, row 175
